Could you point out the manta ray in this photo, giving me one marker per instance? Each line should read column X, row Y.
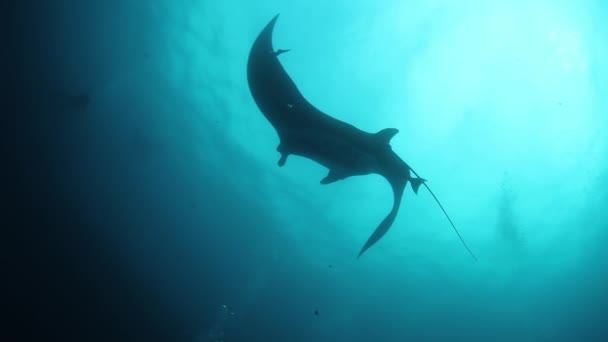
column 306, row 131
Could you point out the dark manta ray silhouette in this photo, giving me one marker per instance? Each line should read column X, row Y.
column 306, row 131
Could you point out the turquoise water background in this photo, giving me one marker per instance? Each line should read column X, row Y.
column 171, row 168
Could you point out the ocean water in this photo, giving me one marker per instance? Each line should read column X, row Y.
column 150, row 206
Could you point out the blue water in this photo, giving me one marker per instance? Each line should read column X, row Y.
column 158, row 198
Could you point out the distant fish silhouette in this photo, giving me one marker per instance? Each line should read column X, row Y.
column 305, row 131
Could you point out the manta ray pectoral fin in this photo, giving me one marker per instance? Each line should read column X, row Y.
column 379, row 232
column 416, row 183
column 398, row 186
column 331, row 177
column 384, row 136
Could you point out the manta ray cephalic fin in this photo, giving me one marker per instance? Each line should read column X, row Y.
column 283, row 159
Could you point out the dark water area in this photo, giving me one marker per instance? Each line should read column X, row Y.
column 144, row 200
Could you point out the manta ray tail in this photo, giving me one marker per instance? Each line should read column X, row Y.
column 444, row 212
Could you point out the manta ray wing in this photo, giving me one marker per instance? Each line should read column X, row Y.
column 306, row 131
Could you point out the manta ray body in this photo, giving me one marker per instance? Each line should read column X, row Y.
column 306, row 131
